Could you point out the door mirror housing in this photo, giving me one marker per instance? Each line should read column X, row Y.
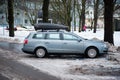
column 79, row 40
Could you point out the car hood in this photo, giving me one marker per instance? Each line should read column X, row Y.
column 94, row 41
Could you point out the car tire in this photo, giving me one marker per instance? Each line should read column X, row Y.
column 92, row 52
column 40, row 52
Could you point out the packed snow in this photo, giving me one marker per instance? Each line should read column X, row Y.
column 72, row 67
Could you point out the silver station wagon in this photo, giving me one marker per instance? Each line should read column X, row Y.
column 61, row 42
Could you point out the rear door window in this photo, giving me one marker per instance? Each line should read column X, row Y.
column 53, row 36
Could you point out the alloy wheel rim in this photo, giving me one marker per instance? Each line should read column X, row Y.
column 40, row 53
column 92, row 53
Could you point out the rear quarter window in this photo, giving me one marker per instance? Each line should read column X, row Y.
column 28, row 36
column 38, row 36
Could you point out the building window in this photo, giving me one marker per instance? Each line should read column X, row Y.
column 18, row 13
column 26, row 21
column 25, row 13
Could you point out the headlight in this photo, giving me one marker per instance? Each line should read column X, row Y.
column 104, row 45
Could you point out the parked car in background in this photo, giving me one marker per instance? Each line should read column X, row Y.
column 43, row 43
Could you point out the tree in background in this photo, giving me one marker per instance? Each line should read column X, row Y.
column 68, row 8
column 45, row 10
column 96, row 5
column 1, row 6
column 11, row 17
column 117, row 8
column 30, row 8
column 74, row 13
column 78, row 4
column 108, row 20
column 83, row 14
column 62, row 11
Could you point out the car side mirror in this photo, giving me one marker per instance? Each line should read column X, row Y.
column 79, row 40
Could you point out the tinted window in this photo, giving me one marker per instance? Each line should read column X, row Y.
column 69, row 37
column 39, row 36
column 54, row 36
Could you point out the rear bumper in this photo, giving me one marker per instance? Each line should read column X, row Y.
column 28, row 52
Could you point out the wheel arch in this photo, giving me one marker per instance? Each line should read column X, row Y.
column 92, row 47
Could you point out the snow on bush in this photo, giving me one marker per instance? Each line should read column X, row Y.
column 13, row 40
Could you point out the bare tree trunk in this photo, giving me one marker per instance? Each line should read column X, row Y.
column 45, row 10
column 69, row 16
column 11, row 18
column 79, row 13
column 74, row 16
column 96, row 5
column 83, row 13
column 80, row 23
column 108, row 18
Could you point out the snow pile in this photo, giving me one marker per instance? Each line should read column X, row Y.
column 10, row 39
column 111, row 47
column 21, row 29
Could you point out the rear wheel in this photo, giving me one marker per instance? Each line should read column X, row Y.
column 40, row 52
column 91, row 52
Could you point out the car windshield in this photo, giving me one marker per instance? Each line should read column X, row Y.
column 79, row 36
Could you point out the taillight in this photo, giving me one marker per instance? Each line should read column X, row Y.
column 25, row 41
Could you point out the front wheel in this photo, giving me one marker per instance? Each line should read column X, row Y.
column 40, row 52
column 91, row 52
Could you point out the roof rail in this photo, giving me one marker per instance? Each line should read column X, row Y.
column 51, row 31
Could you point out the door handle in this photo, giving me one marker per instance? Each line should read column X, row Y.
column 46, row 42
column 64, row 43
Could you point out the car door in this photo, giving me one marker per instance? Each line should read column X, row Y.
column 53, row 42
column 72, row 44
